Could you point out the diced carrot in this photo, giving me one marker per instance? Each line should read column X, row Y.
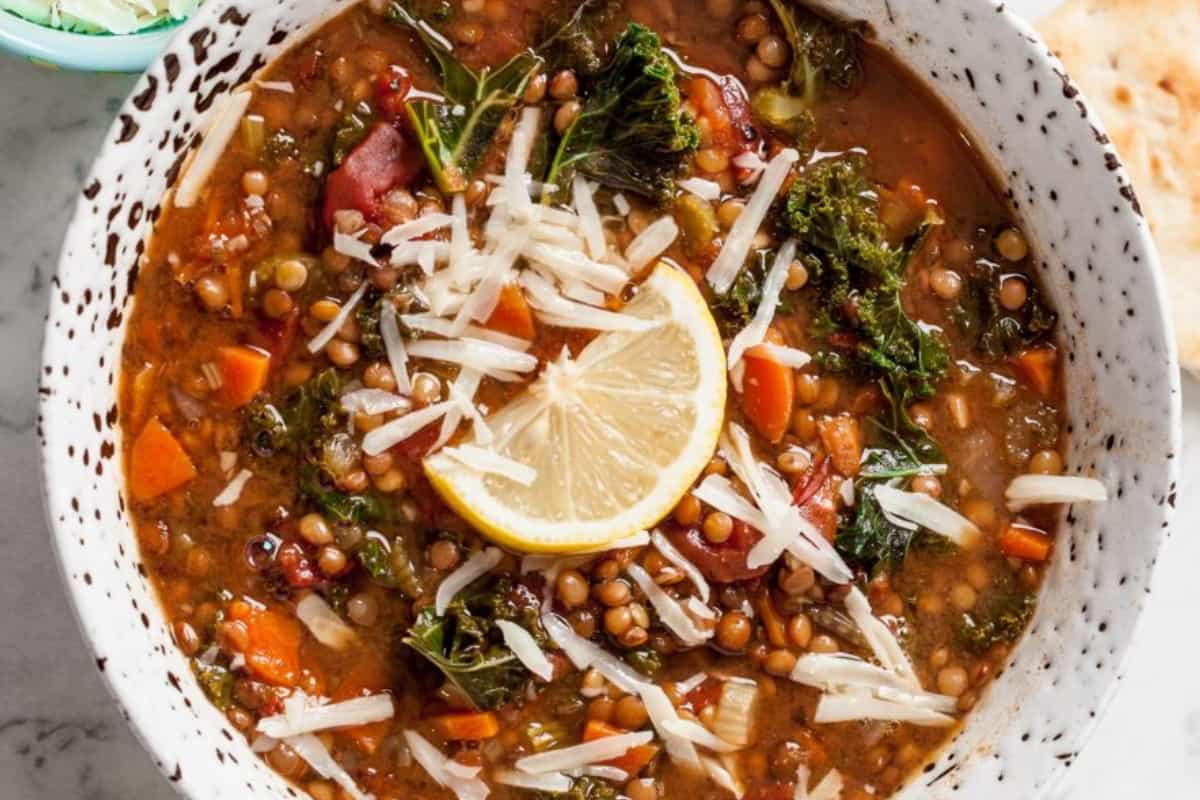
column 471, row 726
column 771, row 621
column 512, row 314
column 768, row 391
column 368, row 676
column 1027, row 544
column 272, row 643
column 634, row 760
column 842, row 437
column 157, row 463
column 244, row 372
column 1038, row 367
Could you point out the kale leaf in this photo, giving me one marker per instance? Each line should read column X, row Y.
column 998, row 333
column 737, row 306
column 455, row 134
column 832, row 210
column 468, row 647
column 823, row 53
column 574, row 35
column 216, row 681
column 1000, row 621
column 632, row 133
column 309, row 414
column 352, row 509
column 868, row 538
column 389, row 565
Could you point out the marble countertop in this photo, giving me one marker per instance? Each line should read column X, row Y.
column 60, row 734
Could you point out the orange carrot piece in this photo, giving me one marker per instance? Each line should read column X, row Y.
column 512, row 314
column 157, row 462
column 470, row 726
column 1027, row 544
column 272, row 643
column 768, row 392
column 776, row 634
column 1038, row 367
column 634, row 760
column 244, row 372
column 842, row 437
column 368, row 676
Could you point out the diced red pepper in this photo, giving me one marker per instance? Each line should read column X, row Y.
column 381, row 161
column 721, row 563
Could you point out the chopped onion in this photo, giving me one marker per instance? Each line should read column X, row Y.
column 736, row 710
column 741, row 236
column 373, row 401
column 923, row 510
column 652, row 242
column 226, row 118
column 1028, row 490
column 492, row 463
column 326, row 626
column 475, row 567
column 582, row 755
column 304, row 716
column 526, row 649
column 672, row 554
column 399, row 429
column 233, row 490
column 704, row 189
column 330, row 330
column 552, row 782
column 668, row 608
column 393, row 344
column 465, row 786
column 312, row 749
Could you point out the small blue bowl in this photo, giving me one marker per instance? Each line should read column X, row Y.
column 89, row 52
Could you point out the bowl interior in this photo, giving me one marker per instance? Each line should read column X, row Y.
column 1097, row 264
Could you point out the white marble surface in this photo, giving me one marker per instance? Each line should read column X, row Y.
column 60, row 735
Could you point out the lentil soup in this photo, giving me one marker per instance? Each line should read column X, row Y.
column 432, row 230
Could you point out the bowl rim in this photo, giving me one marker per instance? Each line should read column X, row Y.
column 142, row 724
column 86, row 52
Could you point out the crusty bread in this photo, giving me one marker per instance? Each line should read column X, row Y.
column 1138, row 62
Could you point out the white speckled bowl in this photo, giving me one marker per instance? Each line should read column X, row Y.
column 1097, row 263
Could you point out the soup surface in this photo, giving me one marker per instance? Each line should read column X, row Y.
column 429, row 216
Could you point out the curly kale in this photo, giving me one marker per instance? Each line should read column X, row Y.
column 298, row 425
column 1000, row 621
column 632, row 133
column 467, row 646
column 824, row 53
column 352, row 509
column 832, row 210
column 866, row 536
column 389, row 565
column 455, row 134
column 574, row 35
column 996, row 332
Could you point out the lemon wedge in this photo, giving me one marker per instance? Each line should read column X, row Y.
column 615, row 436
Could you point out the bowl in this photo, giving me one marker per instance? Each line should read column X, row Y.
column 1096, row 261
column 90, row 52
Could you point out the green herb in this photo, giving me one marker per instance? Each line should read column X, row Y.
column 389, row 565
column 216, row 681
column 468, row 648
column 574, row 35
column 336, row 596
column 832, row 210
column 644, row 660
column 350, row 130
column 1000, row 621
column 823, row 53
column 455, row 134
column 352, row 509
column 632, row 133
column 279, row 146
column 585, row 788
column 998, row 333
column 788, row 114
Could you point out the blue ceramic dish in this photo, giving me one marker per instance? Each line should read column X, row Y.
column 91, row 52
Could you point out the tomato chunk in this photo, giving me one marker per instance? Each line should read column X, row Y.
column 721, row 563
column 381, row 161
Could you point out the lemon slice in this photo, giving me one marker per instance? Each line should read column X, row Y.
column 616, row 436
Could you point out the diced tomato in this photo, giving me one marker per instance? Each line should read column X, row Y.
column 772, row 791
column 392, row 87
column 815, row 496
column 298, row 569
column 704, row 695
column 381, row 161
column 741, row 126
column 721, row 563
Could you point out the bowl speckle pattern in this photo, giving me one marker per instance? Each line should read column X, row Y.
column 1096, row 262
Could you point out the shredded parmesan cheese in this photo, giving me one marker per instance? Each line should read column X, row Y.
column 669, row 609
column 226, row 117
column 233, row 491
column 663, row 545
column 704, row 189
column 526, row 649
column 1028, row 490
column 330, row 330
column 652, row 242
column 582, row 755
column 922, row 510
column 475, row 567
column 492, row 463
column 312, row 750
column 460, row 779
column 324, row 623
column 304, row 714
column 741, row 236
